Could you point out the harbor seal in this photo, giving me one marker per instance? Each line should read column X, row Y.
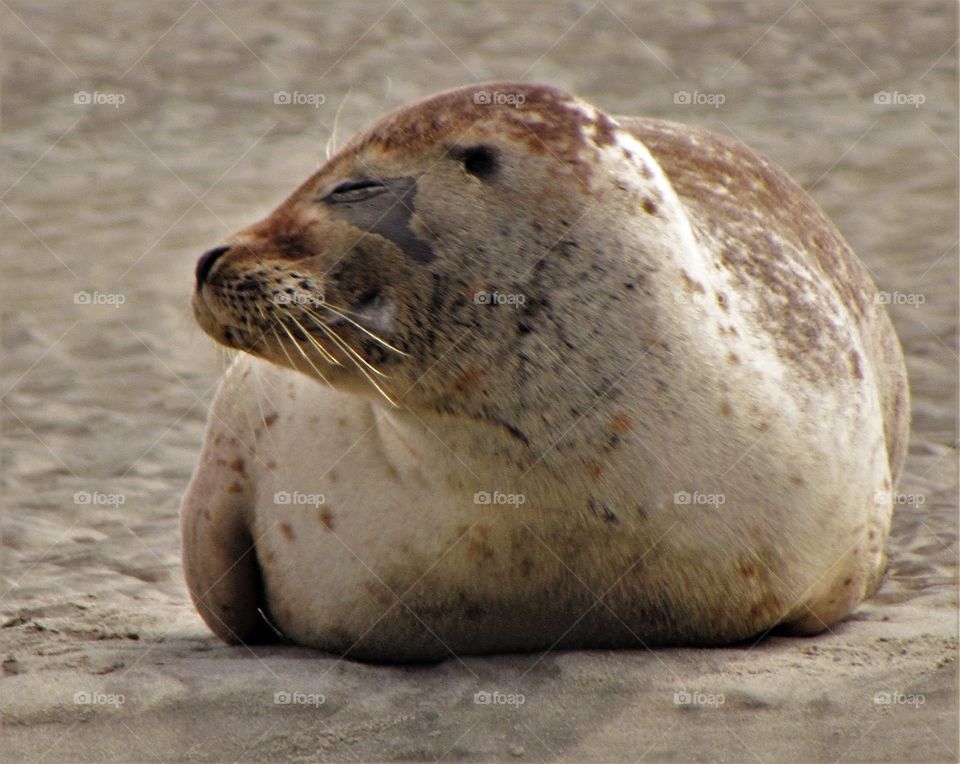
column 519, row 375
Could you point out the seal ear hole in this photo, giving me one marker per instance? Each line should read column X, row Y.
column 480, row 161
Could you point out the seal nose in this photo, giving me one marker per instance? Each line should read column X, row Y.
column 207, row 261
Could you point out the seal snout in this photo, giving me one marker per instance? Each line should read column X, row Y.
column 207, row 261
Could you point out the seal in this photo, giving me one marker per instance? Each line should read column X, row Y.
column 519, row 375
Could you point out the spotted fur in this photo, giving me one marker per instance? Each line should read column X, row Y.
column 596, row 316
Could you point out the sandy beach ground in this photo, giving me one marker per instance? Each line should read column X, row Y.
column 108, row 199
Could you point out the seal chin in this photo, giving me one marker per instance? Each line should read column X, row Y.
column 205, row 317
column 223, row 332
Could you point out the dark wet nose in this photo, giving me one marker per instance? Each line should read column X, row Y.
column 207, row 261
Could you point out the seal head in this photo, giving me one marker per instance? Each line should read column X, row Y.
column 386, row 263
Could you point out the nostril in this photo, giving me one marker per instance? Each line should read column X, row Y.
column 207, row 261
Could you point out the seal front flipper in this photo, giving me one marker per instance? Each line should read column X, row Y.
column 219, row 553
column 220, row 564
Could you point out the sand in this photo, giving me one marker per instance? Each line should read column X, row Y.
column 105, row 397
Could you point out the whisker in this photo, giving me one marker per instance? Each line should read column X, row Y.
column 276, row 336
column 331, row 146
column 359, row 361
column 362, row 328
column 226, row 357
column 320, row 348
column 345, row 346
column 341, row 343
column 265, row 396
column 299, row 350
column 341, row 311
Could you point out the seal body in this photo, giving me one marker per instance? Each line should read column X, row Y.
column 519, row 375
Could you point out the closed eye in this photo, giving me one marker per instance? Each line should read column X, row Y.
column 355, row 191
